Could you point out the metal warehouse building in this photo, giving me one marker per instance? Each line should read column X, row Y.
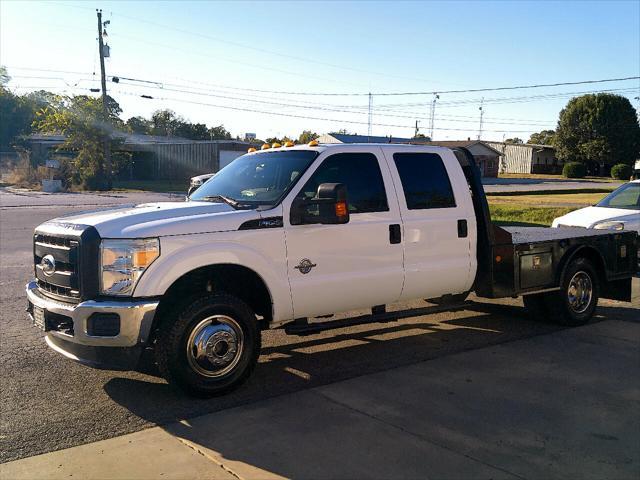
column 155, row 157
column 527, row 158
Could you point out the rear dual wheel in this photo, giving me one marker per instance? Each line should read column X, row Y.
column 575, row 302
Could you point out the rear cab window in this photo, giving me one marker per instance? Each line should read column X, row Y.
column 425, row 181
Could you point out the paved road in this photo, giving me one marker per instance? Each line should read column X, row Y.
column 48, row 403
column 492, row 185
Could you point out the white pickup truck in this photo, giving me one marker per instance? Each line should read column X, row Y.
column 286, row 234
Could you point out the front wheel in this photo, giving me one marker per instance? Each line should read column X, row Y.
column 577, row 299
column 210, row 346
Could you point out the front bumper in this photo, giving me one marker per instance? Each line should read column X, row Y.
column 120, row 351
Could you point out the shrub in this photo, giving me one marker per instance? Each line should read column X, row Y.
column 621, row 171
column 574, row 170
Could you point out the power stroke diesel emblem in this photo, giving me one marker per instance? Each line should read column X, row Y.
column 305, row 265
column 48, row 264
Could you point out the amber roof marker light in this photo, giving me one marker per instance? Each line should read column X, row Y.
column 266, row 146
column 251, row 150
column 313, row 143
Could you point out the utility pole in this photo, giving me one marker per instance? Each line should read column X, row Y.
column 370, row 117
column 481, row 118
column 105, row 113
column 432, row 114
column 415, row 135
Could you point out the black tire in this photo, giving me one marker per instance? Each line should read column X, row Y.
column 449, row 299
column 536, row 306
column 228, row 334
column 562, row 310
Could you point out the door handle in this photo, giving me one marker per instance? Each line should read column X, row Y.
column 395, row 235
column 463, row 230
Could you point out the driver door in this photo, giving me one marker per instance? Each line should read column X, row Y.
column 334, row 268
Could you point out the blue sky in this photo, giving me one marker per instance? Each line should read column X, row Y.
column 209, row 58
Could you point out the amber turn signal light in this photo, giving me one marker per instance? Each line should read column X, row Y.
column 341, row 209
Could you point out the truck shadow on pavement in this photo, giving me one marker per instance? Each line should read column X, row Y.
column 255, row 438
column 289, row 363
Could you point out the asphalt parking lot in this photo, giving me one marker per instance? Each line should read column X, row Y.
column 48, row 403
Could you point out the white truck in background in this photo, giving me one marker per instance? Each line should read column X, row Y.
column 285, row 234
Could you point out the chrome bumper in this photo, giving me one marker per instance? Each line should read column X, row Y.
column 136, row 318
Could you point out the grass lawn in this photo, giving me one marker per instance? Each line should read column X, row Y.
column 151, row 185
column 549, row 200
column 525, row 215
column 547, row 176
column 537, row 210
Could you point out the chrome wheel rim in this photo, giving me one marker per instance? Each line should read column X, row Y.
column 215, row 346
column 580, row 292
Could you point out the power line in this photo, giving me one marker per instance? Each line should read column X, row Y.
column 291, row 115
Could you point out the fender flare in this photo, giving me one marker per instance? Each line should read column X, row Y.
column 601, row 267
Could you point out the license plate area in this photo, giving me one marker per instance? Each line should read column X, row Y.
column 39, row 318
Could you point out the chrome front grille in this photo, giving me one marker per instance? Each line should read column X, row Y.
column 63, row 282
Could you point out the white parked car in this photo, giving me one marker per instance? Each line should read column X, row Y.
column 620, row 210
column 197, row 181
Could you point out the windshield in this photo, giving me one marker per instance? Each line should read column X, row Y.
column 627, row 196
column 257, row 179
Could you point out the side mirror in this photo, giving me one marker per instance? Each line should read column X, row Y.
column 329, row 206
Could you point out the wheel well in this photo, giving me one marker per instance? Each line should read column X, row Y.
column 236, row 280
column 593, row 256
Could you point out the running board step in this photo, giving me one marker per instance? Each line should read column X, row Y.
column 302, row 328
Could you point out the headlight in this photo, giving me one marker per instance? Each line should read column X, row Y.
column 609, row 226
column 122, row 263
column 196, row 183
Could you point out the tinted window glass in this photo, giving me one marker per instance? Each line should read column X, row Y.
column 259, row 178
column 360, row 172
column 424, row 180
column 627, row 196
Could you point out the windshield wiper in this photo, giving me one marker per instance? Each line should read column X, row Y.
column 223, row 198
column 228, row 200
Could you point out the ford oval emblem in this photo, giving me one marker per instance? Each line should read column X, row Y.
column 48, row 265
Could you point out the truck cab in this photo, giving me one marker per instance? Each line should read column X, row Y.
column 276, row 237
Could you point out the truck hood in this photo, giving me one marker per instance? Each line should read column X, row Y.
column 158, row 219
column 589, row 216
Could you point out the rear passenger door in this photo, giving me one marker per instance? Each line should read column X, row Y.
column 438, row 222
column 334, row 268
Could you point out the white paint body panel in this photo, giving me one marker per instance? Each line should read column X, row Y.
column 436, row 260
column 588, row 217
column 356, row 265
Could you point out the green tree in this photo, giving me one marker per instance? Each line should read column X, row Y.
column 165, row 122
column 306, row 136
column 545, row 137
column 219, row 133
column 192, row 131
column 81, row 120
column 4, row 76
column 514, row 140
column 598, row 128
column 16, row 113
column 139, row 125
column 422, row 136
